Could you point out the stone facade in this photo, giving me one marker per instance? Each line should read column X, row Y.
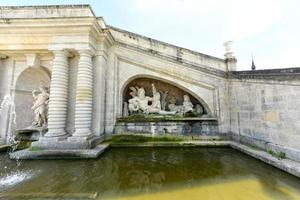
column 88, row 65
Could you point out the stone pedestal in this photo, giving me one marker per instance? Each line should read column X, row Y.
column 75, row 143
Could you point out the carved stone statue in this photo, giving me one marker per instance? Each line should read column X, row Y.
column 40, row 106
column 164, row 96
column 187, row 104
column 155, row 107
column 199, row 109
column 140, row 102
column 178, row 109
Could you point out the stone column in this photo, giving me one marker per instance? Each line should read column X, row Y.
column 58, row 99
column 84, row 98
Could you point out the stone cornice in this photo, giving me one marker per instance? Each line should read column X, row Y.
column 48, row 11
column 164, row 43
column 195, row 66
column 283, row 74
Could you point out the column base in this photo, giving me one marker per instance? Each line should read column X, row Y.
column 79, row 138
column 81, row 135
column 60, row 153
column 67, row 144
column 60, row 133
column 53, row 139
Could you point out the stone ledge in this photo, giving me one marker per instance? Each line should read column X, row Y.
column 292, row 154
column 50, row 144
column 174, row 144
column 28, row 154
column 286, row 165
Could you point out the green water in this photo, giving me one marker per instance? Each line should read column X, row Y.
column 149, row 173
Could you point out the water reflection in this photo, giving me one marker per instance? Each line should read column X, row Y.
column 159, row 173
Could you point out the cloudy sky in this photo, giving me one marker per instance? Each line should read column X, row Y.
column 267, row 29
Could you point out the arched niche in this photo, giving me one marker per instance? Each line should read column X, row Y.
column 30, row 79
column 175, row 92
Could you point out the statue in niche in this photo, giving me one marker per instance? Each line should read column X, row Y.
column 40, row 106
column 155, row 107
column 187, row 104
column 140, row 102
column 199, row 110
column 164, row 96
column 133, row 104
column 178, row 109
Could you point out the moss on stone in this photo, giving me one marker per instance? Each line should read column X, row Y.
column 281, row 155
column 157, row 118
column 141, row 138
column 36, row 148
column 23, row 145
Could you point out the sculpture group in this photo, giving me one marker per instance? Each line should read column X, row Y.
column 139, row 103
column 157, row 104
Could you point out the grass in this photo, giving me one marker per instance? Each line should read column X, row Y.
column 271, row 152
column 280, row 155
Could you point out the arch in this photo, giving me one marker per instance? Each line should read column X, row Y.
column 188, row 91
column 28, row 80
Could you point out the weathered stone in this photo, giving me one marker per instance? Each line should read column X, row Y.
column 91, row 65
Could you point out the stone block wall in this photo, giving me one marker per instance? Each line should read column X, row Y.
column 181, row 128
column 266, row 113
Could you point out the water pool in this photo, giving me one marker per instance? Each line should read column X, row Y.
column 149, row 173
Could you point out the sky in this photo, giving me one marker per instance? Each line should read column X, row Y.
column 267, row 30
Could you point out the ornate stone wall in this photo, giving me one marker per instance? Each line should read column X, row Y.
column 88, row 58
column 173, row 93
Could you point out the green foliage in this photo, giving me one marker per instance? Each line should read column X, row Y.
column 271, row 152
column 280, row 155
